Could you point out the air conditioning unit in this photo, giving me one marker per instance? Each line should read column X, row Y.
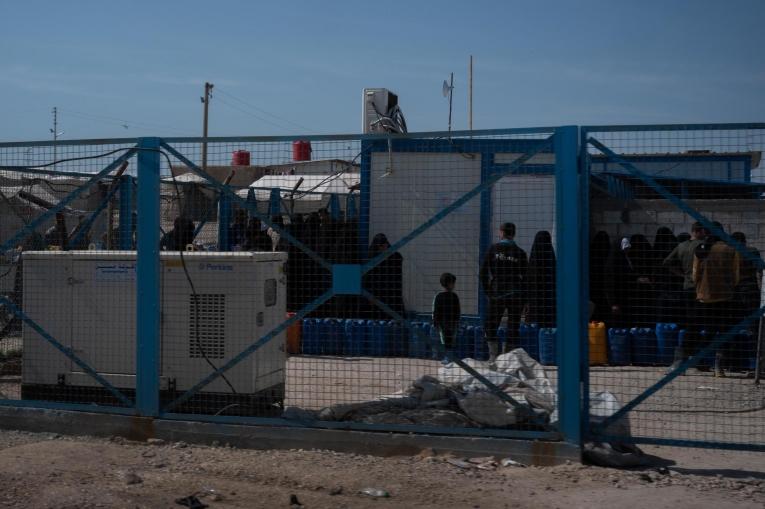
column 381, row 113
column 87, row 301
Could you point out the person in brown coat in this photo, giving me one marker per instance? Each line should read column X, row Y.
column 716, row 268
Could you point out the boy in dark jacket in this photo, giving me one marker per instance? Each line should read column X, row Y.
column 446, row 312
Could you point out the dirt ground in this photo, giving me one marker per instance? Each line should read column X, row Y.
column 51, row 471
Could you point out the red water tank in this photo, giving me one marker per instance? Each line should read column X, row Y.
column 301, row 150
column 240, row 158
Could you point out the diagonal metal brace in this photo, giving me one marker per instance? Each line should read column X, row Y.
column 486, row 184
column 745, row 253
column 688, row 363
column 65, row 350
column 249, row 350
column 88, row 223
column 45, row 216
column 523, row 409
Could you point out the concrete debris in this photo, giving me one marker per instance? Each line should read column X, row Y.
column 294, row 413
column 479, row 461
column 438, row 417
column 489, row 465
column 459, row 463
column 455, row 398
column 430, row 389
column 386, row 418
column 488, row 409
column 615, row 455
column 375, row 492
column 439, row 403
column 191, row 502
column 602, row 406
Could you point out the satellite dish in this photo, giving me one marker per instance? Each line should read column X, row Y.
column 446, row 89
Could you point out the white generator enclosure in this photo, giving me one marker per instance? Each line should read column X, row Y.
column 87, row 301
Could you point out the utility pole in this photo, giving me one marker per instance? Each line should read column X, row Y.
column 55, row 131
column 451, row 93
column 206, row 102
column 470, row 94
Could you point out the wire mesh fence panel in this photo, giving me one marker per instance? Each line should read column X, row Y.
column 675, row 272
column 351, row 280
column 58, row 287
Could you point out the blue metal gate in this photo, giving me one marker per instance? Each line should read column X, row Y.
column 676, row 330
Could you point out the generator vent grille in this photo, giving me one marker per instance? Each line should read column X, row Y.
column 207, row 325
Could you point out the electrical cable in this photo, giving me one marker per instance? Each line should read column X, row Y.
column 232, row 96
column 69, row 159
column 393, row 121
column 121, row 122
column 237, row 108
column 195, row 296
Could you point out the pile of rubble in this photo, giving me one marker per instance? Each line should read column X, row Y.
column 455, row 398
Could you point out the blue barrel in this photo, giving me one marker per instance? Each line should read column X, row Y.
column 378, row 339
column 469, row 341
column 417, row 345
column 323, row 336
column 369, row 329
column 464, row 342
column 354, row 337
column 502, row 338
column 643, row 346
column 331, row 336
column 547, row 346
column 310, row 339
column 666, row 342
column 434, row 343
column 481, row 348
column 530, row 339
column 396, row 339
column 618, row 347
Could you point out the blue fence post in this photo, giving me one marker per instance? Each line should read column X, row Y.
column 334, row 207
column 275, row 203
column 147, row 283
column 569, row 308
column 365, row 191
column 224, row 220
column 584, row 235
column 126, row 213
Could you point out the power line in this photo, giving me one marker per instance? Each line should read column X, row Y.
column 121, row 121
column 241, row 110
column 265, row 112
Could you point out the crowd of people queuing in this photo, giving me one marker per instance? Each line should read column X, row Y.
column 695, row 280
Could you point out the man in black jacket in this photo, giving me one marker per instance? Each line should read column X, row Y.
column 501, row 275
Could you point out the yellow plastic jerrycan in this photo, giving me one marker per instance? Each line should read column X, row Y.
column 598, row 343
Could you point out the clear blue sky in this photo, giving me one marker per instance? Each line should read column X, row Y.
column 306, row 63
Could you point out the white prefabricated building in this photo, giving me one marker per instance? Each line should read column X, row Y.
column 409, row 188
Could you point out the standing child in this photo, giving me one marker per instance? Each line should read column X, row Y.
column 446, row 312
